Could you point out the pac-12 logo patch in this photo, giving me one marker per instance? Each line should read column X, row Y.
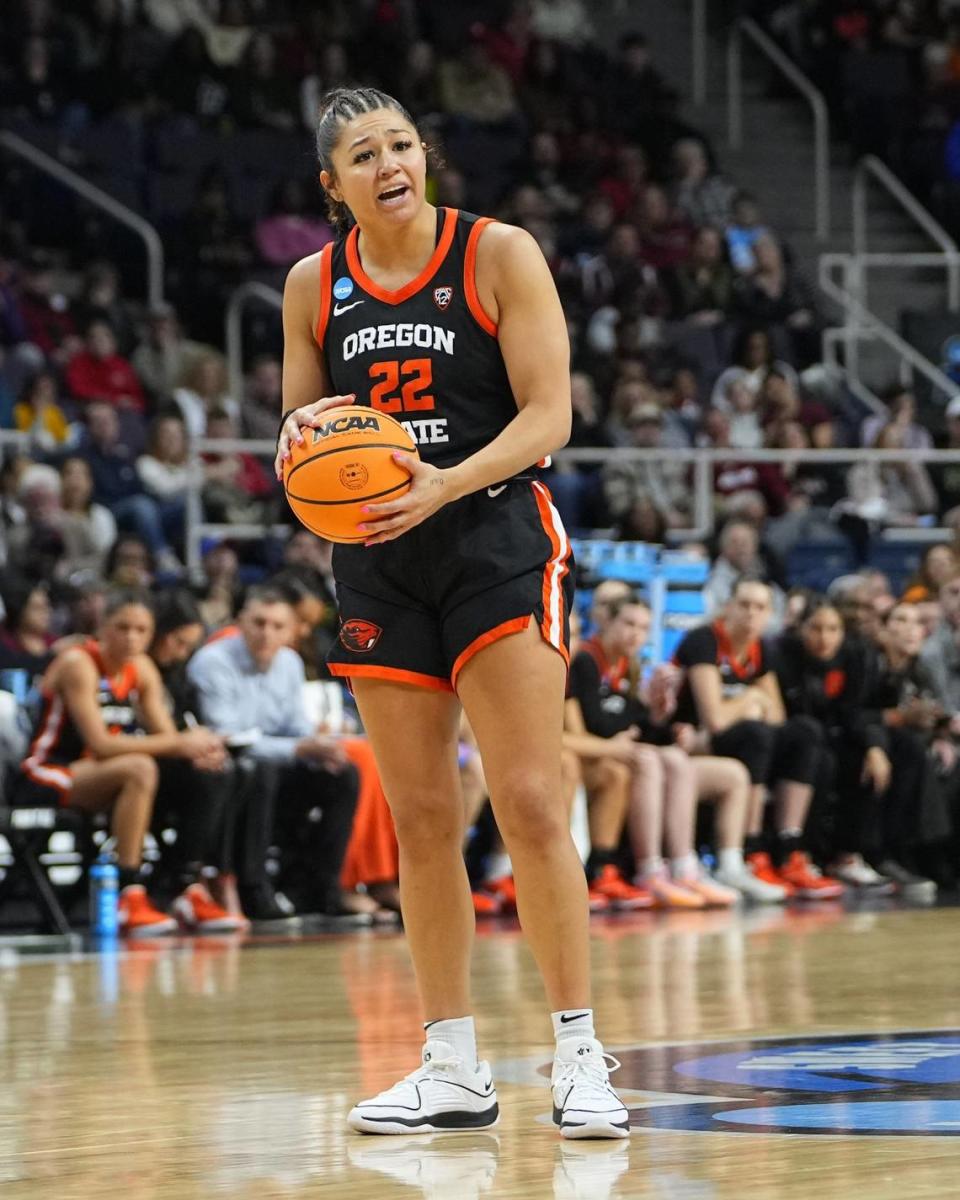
column 343, row 288
column 360, row 636
column 442, row 297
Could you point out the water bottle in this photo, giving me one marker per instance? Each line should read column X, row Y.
column 104, row 892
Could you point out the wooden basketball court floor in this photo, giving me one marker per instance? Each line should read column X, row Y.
column 791, row 1054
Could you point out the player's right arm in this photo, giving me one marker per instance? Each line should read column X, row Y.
column 306, row 383
column 77, row 680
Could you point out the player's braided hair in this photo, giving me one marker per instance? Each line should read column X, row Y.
column 336, row 109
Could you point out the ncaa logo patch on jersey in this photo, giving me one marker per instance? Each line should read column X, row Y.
column 442, row 297
column 343, row 288
column 360, row 636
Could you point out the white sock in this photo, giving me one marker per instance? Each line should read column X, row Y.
column 685, row 867
column 650, row 867
column 458, row 1032
column 498, row 865
column 730, row 860
column 573, row 1023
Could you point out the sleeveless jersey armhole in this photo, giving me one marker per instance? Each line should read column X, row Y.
column 326, row 270
column 470, row 278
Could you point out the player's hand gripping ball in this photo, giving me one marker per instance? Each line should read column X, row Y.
column 344, row 463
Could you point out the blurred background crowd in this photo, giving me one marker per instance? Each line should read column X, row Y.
column 692, row 321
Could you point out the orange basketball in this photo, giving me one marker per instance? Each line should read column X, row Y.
column 343, row 464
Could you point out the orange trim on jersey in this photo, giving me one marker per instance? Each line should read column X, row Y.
column 48, row 733
column 470, row 278
column 553, row 622
column 414, row 286
column 121, row 684
column 58, row 778
column 326, row 271
column 613, row 674
column 745, row 668
column 393, row 674
column 514, row 625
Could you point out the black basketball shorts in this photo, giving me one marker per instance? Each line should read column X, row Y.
column 417, row 609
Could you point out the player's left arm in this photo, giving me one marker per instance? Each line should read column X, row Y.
column 516, row 289
column 517, row 292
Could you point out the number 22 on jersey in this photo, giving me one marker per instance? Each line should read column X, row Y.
column 402, row 386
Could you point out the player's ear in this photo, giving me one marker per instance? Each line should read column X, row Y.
column 329, row 185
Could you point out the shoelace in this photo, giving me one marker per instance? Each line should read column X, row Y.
column 592, row 1072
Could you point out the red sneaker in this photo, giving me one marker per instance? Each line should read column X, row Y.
column 597, row 901
column 807, row 881
column 138, row 917
column 486, row 906
column 196, row 909
column 619, row 894
column 763, row 869
column 505, row 889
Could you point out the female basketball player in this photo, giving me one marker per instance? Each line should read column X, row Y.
column 453, row 324
column 666, row 783
column 87, row 752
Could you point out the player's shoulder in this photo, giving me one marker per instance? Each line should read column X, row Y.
column 74, row 663
column 303, row 275
column 701, row 641
column 499, row 240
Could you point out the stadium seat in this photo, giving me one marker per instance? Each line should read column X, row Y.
column 816, row 564
column 899, row 561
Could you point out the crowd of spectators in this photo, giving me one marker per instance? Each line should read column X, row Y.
column 691, row 322
column 890, row 70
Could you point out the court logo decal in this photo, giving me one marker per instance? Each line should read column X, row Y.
column 360, row 636
column 880, row 1085
column 442, row 297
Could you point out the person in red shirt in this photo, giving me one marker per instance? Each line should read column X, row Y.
column 100, row 373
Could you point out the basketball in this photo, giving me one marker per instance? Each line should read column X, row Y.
column 343, row 464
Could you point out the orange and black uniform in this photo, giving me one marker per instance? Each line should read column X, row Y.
column 607, row 696
column 56, row 741
column 416, row 609
column 769, row 752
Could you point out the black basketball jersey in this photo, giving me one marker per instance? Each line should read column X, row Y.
column 56, row 739
column 426, row 353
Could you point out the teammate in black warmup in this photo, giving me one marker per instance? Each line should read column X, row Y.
column 452, row 324
column 730, row 689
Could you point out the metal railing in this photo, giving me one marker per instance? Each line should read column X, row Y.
column 100, row 199
column 871, row 166
column 862, row 325
column 745, row 27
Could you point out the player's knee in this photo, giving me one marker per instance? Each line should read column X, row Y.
column 613, row 773
column 649, row 764
column 426, row 819
column 527, row 811
column 675, row 761
column 736, row 776
column 143, row 770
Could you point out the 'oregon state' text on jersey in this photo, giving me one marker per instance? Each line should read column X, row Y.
column 426, row 353
column 57, row 741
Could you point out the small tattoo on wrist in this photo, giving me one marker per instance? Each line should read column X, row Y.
column 436, row 481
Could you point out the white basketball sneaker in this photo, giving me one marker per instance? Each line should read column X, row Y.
column 442, row 1095
column 584, row 1103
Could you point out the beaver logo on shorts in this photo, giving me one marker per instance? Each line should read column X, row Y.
column 442, row 297
column 360, row 636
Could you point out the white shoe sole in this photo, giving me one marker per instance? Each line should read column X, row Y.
column 595, row 1127
column 452, row 1122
